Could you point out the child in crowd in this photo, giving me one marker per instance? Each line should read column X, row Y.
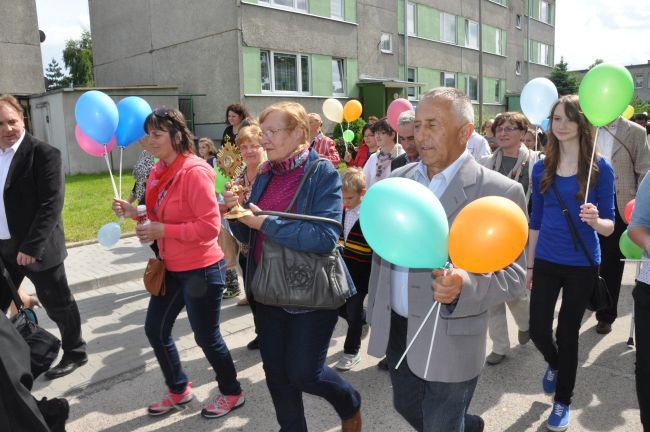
column 358, row 258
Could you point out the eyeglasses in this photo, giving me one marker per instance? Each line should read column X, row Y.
column 270, row 133
column 506, row 129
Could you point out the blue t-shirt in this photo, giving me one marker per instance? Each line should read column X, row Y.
column 555, row 243
column 641, row 218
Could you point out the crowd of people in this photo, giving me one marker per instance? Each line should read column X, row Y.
column 570, row 200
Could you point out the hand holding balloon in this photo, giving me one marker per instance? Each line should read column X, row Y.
column 447, row 285
column 122, row 208
column 589, row 214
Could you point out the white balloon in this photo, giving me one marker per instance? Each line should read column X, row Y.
column 109, row 234
column 537, row 98
column 333, row 110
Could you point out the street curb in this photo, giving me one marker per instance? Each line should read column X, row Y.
column 91, row 284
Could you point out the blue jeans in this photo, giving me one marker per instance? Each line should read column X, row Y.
column 200, row 291
column 427, row 405
column 294, row 349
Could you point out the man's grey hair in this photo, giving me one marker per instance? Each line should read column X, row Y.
column 407, row 117
column 460, row 103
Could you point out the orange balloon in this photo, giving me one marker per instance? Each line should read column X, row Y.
column 488, row 235
column 352, row 110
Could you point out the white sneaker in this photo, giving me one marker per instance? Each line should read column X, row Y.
column 347, row 361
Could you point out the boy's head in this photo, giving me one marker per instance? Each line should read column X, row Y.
column 353, row 187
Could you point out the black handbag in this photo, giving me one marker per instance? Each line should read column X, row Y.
column 289, row 278
column 44, row 346
column 600, row 298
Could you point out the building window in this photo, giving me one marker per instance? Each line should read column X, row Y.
column 497, row 91
column 638, row 81
column 497, row 42
column 448, row 28
column 518, row 68
column 471, row 34
column 544, row 55
column 410, row 19
column 284, row 72
column 471, row 84
column 518, row 21
column 544, row 10
column 336, row 9
column 300, row 5
column 411, row 92
column 386, row 43
column 338, row 76
column 447, row 79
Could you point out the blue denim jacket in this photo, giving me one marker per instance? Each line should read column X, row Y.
column 320, row 196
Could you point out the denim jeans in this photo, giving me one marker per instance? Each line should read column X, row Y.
column 200, row 291
column 427, row 405
column 294, row 349
column 352, row 311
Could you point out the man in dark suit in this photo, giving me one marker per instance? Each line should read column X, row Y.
column 31, row 230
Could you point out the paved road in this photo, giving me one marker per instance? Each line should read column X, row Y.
column 121, row 378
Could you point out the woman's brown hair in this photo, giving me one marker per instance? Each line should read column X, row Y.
column 171, row 121
column 586, row 145
column 516, row 118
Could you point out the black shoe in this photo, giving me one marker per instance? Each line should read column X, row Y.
column 383, row 364
column 254, row 344
column 603, row 328
column 65, row 367
column 480, row 424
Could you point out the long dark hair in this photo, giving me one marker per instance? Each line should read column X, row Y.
column 586, row 146
column 172, row 121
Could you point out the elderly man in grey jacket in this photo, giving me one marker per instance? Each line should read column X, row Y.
column 400, row 298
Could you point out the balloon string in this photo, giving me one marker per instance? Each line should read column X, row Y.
column 593, row 154
column 121, row 153
column 433, row 338
column 343, row 137
column 536, row 135
column 426, row 318
column 110, row 173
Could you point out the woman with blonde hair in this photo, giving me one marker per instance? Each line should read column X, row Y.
column 294, row 341
column 208, row 151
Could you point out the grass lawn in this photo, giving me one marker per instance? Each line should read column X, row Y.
column 87, row 207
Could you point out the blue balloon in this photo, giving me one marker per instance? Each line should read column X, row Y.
column 545, row 125
column 109, row 234
column 97, row 116
column 405, row 223
column 537, row 98
column 133, row 112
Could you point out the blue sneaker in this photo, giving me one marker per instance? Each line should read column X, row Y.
column 549, row 381
column 558, row 421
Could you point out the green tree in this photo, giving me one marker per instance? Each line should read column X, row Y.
column 565, row 81
column 54, row 75
column 337, row 135
column 640, row 105
column 78, row 58
column 596, row 63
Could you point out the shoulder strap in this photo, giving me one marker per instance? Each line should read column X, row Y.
column 572, row 228
column 620, row 142
column 306, row 174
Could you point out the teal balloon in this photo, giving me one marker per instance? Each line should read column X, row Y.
column 605, row 92
column 348, row 136
column 629, row 249
column 220, row 181
column 405, row 223
column 109, row 234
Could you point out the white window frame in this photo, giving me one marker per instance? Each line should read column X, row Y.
column 543, row 54
column 412, row 92
column 518, row 21
column 386, row 48
column 447, row 75
column 336, row 60
column 497, row 41
column 478, row 87
column 271, row 63
column 544, row 11
column 444, row 17
column 468, row 24
column 337, row 13
column 638, row 81
column 411, row 19
column 294, row 7
column 517, row 68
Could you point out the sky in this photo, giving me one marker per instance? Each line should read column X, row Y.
column 616, row 31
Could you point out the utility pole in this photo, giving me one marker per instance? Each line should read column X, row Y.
column 480, row 63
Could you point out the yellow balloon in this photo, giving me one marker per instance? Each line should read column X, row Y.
column 352, row 110
column 333, row 110
column 629, row 112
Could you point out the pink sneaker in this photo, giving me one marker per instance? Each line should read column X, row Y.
column 171, row 401
column 222, row 405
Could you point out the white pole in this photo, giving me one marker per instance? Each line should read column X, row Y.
column 110, row 173
column 121, row 153
column 593, row 154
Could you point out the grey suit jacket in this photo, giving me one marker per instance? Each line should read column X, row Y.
column 459, row 351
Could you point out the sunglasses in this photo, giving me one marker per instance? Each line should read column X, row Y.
column 168, row 114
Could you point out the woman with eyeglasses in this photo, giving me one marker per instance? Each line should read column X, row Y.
column 293, row 342
column 514, row 160
column 556, row 257
column 368, row 146
column 182, row 208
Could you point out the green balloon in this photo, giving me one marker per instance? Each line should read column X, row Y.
column 605, row 92
column 220, row 181
column 348, row 136
column 629, row 249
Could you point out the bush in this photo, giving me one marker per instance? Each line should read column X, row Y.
column 337, row 135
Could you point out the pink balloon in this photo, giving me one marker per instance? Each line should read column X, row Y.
column 397, row 107
column 91, row 146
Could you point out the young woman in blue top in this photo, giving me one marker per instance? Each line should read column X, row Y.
column 555, row 259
